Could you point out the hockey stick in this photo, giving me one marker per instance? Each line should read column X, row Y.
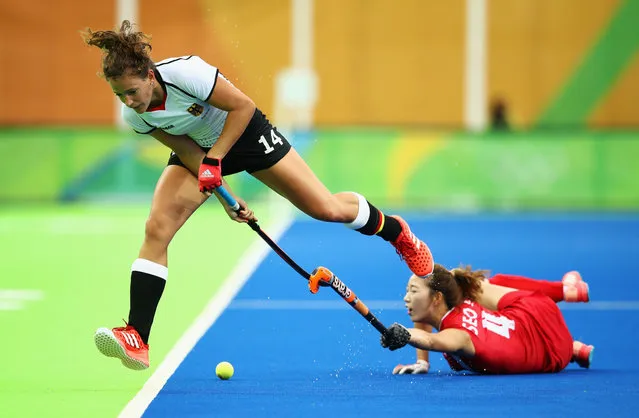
column 320, row 277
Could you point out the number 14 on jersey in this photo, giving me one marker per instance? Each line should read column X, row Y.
column 496, row 324
column 275, row 140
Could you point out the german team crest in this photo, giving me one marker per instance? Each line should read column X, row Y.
column 195, row 109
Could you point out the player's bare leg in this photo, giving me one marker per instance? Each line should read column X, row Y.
column 176, row 198
column 293, row 179
column 491, row 294
column 571, row 289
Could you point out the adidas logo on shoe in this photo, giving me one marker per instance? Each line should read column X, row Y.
column 125, row 344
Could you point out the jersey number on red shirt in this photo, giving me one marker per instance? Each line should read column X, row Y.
column 497, row 324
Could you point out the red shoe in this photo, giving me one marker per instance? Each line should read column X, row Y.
column 571, row 278
column 579, row 292
column 124, row 343
column 413, row 250
column 582, row 354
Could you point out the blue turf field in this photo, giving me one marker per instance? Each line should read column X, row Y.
column 303, row 355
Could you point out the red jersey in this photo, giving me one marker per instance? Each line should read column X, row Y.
column 527, row 334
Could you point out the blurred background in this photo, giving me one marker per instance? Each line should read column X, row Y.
column 456, row 105
column 428, row 108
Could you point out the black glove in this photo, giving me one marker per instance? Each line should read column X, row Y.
column 396, row 336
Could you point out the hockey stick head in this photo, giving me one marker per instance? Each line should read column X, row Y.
column 320, row 277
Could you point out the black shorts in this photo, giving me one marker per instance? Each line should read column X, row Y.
column 258, row 148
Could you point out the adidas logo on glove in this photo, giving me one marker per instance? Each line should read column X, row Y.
column 207, row 173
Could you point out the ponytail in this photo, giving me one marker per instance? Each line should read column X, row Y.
column 469, row 281
column 126, row 51
column 456, row 285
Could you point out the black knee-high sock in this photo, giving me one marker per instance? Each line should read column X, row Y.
column 379, row 224
column 146, row 290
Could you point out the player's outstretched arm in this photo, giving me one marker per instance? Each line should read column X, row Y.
column 240, row 110
column 446, row 341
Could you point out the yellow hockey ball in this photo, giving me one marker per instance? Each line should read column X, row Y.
column 224, row 370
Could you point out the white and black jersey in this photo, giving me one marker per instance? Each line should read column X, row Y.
column 188, row 82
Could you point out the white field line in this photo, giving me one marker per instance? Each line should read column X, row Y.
column 17, row 299
column 338, row 304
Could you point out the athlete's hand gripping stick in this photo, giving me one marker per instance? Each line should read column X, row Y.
column 396, row 336
column 210, row 174
column 230, row 200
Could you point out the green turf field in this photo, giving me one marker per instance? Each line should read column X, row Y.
column 65, row 272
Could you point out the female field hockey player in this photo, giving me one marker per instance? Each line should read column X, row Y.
column 213, row 130
column 507, row 324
